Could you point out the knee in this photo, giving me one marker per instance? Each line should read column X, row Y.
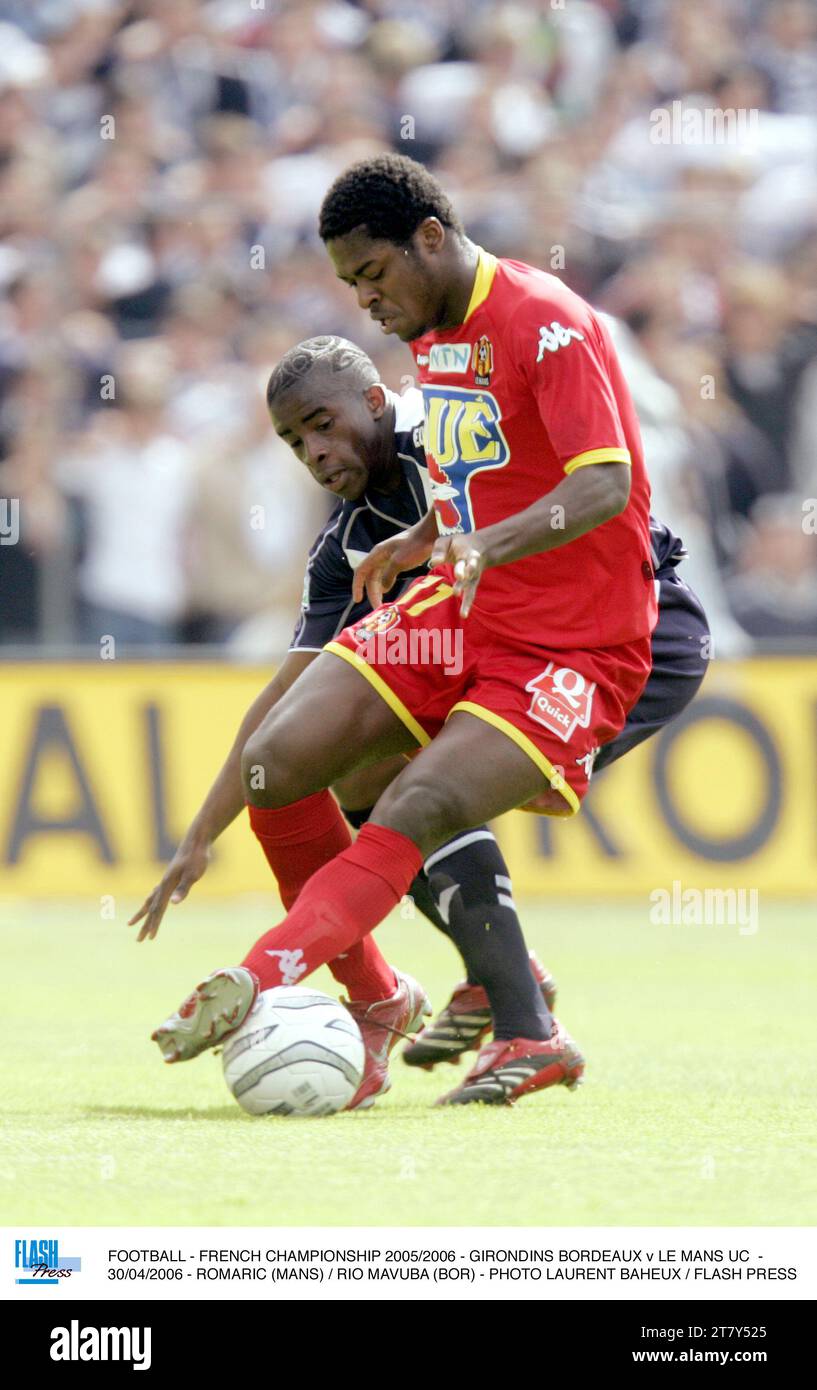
column 422, row 809
column 270, row 767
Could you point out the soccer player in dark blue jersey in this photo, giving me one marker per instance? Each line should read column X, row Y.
column 365, row 445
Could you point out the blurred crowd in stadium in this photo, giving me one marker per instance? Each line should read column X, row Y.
column 161, row 169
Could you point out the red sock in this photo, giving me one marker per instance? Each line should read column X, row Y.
column 299, row 839
column 338, row 907
column 364, row 972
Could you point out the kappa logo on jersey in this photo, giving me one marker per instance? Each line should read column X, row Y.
column 561, row 700
column 554, row 337
column 449, row 357
column 483, row 361
column 379, row 621
column 463, row 438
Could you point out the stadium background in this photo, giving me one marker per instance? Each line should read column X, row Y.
column 161, row 167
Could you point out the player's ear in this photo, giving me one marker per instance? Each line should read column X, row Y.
column 430, row 235
column 375, row 398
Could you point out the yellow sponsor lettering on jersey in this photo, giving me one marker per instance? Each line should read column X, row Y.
column 463, row 437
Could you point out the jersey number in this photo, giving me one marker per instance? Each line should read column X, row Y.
column 442, row 591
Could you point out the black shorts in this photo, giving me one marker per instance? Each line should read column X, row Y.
column 680, row 656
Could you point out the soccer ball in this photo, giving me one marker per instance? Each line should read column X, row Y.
column 297, row 1052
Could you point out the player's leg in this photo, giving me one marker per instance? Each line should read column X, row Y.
column 472, row 858
column 300, row 835
column 363, row 971
column 324, row 931
column 470, row 772
column 328, row 724
column 477, row 767
column 467, row 872
column 680, row 652
column 324, row 727
column 474, row 865
column 357, row 795
column 507, row 991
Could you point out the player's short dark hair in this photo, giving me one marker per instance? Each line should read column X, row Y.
column 337, row 355
column 389, row 195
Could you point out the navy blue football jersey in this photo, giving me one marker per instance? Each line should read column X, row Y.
column 355, row 528
column 668, row 550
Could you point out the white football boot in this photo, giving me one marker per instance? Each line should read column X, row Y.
column 216, row 1007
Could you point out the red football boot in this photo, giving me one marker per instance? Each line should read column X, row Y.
column 506, row 1070
column 381, row 1025
column 465, row 1022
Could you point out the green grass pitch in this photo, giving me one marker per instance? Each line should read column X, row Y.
column 698, row 1107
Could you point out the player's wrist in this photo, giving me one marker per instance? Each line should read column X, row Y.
column 412, row 550
column 489, row 546
column 198, row 839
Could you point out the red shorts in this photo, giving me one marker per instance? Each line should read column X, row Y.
column 559, row 706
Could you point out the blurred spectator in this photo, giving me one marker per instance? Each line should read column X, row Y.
column 786, row 48
column 161, row 169
column 133, row 481
column 679, row 493
column 774, row 588
column 248, row 500
column 765, row 357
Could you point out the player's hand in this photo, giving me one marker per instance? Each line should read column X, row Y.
column 185, row 868
column 466, row 554
column 378, row 572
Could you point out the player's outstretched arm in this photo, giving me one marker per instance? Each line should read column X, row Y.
column 224, row 801
column 582, row 501
column 405, row 551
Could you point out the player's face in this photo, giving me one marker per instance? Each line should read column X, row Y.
column 397, row 285
column 335, row 434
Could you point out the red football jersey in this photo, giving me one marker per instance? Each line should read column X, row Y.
column 523, row 392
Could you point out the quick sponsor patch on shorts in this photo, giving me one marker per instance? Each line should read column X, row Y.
column 561, row 700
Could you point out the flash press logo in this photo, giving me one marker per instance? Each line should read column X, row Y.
column 75, row 1343
column 40, row 1262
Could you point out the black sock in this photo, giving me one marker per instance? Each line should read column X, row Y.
column 465, row 891
column 472, row 888
column 423, row 897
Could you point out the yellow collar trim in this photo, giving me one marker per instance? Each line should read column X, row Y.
column 486, row 270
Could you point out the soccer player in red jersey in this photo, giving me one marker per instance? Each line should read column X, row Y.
column 540, row 575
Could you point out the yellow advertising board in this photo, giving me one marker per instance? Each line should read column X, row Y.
column 104, row 763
